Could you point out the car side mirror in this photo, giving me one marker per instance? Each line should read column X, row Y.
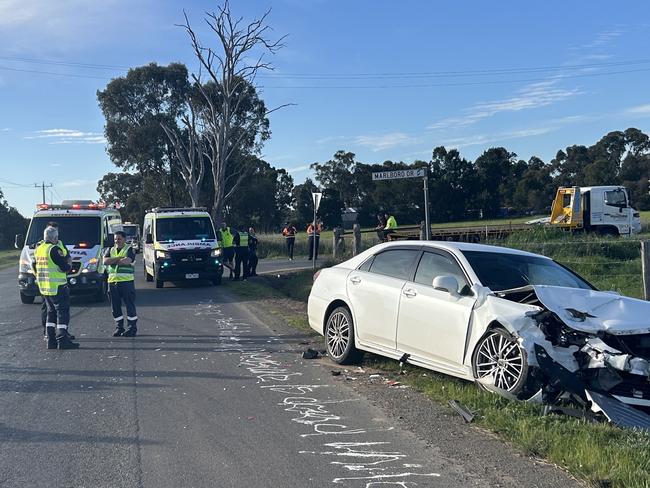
column 446, row 283
column 149, row 239
column 19, row 241
column 109, row 241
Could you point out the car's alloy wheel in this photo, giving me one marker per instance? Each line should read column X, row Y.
column 339, row 336
column 500, row 357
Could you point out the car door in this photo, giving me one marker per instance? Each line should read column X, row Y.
column 432, row 324
column 375, row 295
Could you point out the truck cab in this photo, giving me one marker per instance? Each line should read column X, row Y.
column 602, row 209
column 86, row 229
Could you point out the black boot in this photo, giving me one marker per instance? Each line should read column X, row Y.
column 132, row 330
column 64, row 341
column 50, row 337
column 119, row 328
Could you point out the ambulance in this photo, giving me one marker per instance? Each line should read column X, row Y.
column 86, row 228
column 180, row 244
column 133, row 238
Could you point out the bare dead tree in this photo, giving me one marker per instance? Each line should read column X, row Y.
column 189, row 149
column 230, row 68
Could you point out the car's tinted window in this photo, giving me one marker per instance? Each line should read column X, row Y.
column 396, row 263
column 432, row 265
column 504, row 271
column 366, row 264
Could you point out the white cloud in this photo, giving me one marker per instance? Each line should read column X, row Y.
column 530, row 97
column 385, row 141
column 77, row 183
column 68, row 136
column 484, row 139
column 6, row 129
column 639, row 110
column 298, row 169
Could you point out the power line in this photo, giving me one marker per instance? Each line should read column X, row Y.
column 19, row 185
column 72, row 75
column 66, row 63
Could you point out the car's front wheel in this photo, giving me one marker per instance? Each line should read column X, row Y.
column 339, row 337
column 500, row 361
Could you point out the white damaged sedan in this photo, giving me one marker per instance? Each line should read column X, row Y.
column 517, row 323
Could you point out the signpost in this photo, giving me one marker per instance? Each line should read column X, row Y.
column 410, row 173
column 316, row 198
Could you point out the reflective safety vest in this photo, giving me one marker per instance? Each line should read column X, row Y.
column 60, row 245
column 391, row 223
column 226, row 237
column 243, row 239
column 48, row 275
column 120, row 272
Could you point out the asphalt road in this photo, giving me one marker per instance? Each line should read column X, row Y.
column 207, row 395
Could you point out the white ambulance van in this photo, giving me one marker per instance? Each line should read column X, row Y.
column 180, row 244
column 86, row 229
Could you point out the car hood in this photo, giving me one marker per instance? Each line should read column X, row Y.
column 594, row 311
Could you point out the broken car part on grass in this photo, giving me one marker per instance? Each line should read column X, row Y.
column 581, row 347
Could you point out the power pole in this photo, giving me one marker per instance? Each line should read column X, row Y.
column 43, row 186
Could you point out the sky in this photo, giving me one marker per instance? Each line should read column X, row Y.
column 385, row 80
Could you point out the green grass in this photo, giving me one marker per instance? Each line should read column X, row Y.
column 9, row 257
column 601, row 454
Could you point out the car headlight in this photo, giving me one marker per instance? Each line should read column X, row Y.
column 163, row 254
column 91, row 266
column 216, row 253
column 25, row 266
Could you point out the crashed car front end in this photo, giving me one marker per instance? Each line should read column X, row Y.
column 576, row 341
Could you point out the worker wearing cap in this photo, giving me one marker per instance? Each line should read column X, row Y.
column 50, row 268
column 121, row 284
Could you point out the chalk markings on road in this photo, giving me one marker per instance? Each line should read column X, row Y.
column 374, row 459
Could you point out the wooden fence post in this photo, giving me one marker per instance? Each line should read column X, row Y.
column 645, row 268
column 356, row 239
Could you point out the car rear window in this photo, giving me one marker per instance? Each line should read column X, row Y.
column 397, row 263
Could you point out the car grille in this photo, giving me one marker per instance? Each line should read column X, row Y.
column 191, row 259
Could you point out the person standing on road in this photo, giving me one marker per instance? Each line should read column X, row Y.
column 121, row 285
column 252, row 252
column 289, row 233
column 228, row 250
column 66, row 254
column 313, row 237
column 50, row 268
column 240, row 242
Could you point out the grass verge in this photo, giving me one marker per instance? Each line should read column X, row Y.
column 600, row 454
column 9, row 257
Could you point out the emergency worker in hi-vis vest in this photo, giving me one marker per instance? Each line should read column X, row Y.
column 121, row 286
column 50, row 268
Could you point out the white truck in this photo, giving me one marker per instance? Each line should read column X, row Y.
column 86, row 229
column 602, row 209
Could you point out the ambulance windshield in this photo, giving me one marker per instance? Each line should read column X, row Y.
column 84, row 231
column 184, row 229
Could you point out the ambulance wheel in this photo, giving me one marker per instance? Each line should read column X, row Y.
column 102, row 293
column 28, row 299
column 159, row 283
column 216, row 281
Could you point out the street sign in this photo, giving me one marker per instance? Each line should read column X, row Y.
column 396, row 175
column 316, row 198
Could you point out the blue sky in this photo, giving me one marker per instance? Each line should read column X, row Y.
column 383, row 79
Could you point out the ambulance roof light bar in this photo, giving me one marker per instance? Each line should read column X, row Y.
column 178, row 209
column 72, row 206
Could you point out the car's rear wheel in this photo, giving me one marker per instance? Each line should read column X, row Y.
column 500, row 361
column 339, row 337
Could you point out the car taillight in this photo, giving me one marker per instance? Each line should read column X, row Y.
column 316, row 274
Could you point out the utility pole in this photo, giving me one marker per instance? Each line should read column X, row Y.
column 43, row 186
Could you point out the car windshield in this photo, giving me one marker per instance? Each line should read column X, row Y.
column 184, row 229
column 72, row 230
column 504, row 271
column 130, row 230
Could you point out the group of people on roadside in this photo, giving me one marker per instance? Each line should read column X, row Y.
column 313, row 238
column 239, row 251
column 52, row 262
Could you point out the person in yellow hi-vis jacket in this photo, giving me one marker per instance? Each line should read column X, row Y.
column 121, row 285
column 51, row 267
